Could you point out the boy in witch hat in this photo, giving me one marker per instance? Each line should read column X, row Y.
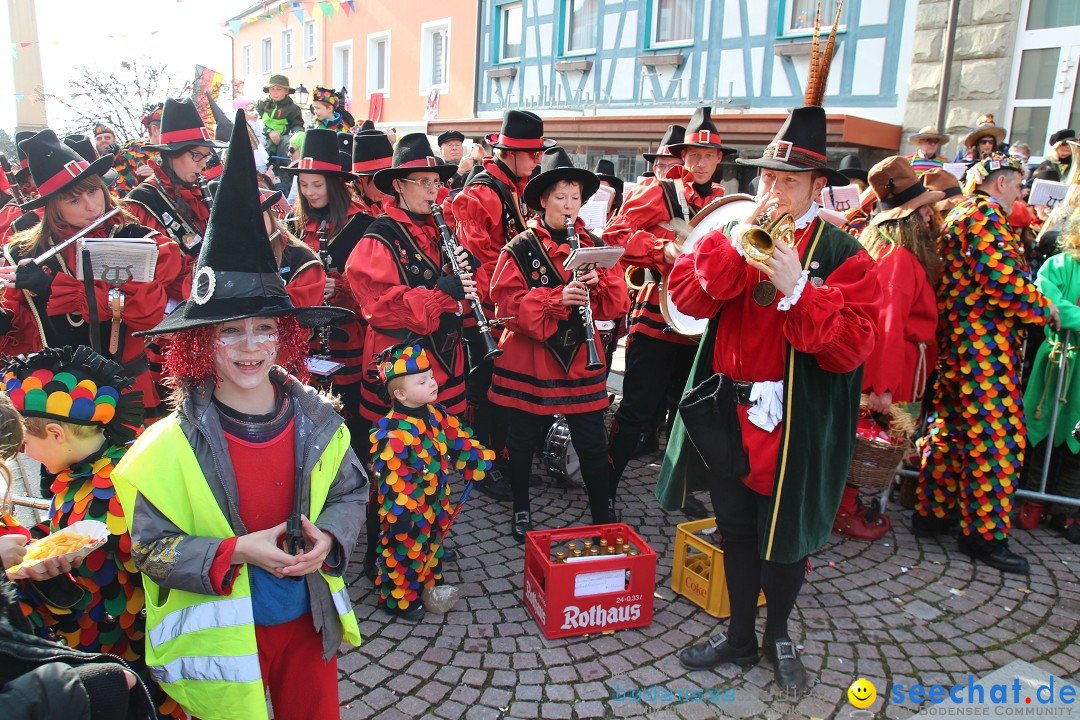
column 281, row 117
column 250, row 455
column 790, row 334
column 658, row 358
column 328, row 110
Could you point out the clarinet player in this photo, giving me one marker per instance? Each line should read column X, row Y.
column 546, row 368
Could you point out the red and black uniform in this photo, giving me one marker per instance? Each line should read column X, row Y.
column 394, row 274
column 542, row 371
column 60, row 316
column 303, row 275
column 657, row 358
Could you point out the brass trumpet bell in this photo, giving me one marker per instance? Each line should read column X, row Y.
column 759, row 242
column 635, row 278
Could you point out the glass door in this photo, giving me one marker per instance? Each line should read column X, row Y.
column 1046, row 73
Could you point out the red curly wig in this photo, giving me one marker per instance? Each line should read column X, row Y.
column 189, row 358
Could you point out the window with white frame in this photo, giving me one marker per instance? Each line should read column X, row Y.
column 581, row 20
column 286, row 49
column 342, row 69
column 267, row 55
column 245, row 60
column 672, row 22
column 800, row 15
column 509, row 19
column 309, row 40
column 378, row 63
column 434, row 56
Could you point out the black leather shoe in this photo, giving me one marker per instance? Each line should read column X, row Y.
column 995, row 553
column 449, row 554
column 927, row 526
column 522, row 524
column 694, row 508
column 718, row 651
column 1068, row 526
column 496, row 485
column 413, row 614
column 788, row 670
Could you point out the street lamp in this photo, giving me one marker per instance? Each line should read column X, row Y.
column 302, row 94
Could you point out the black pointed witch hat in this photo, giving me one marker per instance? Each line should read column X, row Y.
column 223, row 125
column 235, row 275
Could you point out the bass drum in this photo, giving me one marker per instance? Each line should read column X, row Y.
column 713, row 216
column 560, row 458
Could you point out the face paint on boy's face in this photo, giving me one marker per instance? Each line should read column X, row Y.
column 245, row 352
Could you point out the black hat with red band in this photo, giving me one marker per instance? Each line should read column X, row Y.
column 412, row 154
column 372, row 152
column 521, row 130
column 54, row 166
column 20, row 173
column 799, row 146
column 701, row 133
column 182, row 128
column 319, row 155
column 673, row 136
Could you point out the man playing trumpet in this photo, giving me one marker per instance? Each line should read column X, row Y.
column 790, row 331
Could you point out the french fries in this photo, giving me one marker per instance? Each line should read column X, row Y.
column 50, row 546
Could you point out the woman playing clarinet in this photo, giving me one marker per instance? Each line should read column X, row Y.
column 546, row 367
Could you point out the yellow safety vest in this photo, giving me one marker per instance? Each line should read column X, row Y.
column 201, row 648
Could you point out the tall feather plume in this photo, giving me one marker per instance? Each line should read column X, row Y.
column 815, row 56
column 819, row 71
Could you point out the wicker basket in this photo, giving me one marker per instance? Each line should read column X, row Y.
column 875, row 462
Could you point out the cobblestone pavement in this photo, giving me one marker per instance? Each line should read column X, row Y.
column 900, row 610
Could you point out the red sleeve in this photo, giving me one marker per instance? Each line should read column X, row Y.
column 23, row 336
column 643, row 208
column 144, row 216
column 478, row 212
column 703, row 280
column 536, row 312
column 610, row 299
column 372, row 274
column 885, row 367
column 144, row 303
column 222, row 571
column 306, row 288
column 837, row 322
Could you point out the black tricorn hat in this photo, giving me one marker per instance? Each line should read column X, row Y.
column 182, row 127
column 54, row 166
column 345, row 150
column 372, row 152
column 319, row 154
column 223, row 124
column 672, row 136
column 799, row 146
column 450, row 136
column 236, row 275
column 605, row 170
column 701, row 132
column 85, row 147
column 556, row 165
column 412, row 154
column 521, row 130
column 851, row 168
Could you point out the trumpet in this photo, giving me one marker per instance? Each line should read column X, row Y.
column 759, row 241
column 594, row 361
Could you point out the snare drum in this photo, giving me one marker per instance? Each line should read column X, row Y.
column 560, row 458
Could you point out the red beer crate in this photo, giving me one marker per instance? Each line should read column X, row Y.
column 589, row 595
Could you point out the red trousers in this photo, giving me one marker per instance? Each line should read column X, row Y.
column 302, row 686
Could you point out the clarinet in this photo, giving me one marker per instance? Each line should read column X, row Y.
column 324, row 256
column 594, row 362
column 451, row 247
column 207, row 197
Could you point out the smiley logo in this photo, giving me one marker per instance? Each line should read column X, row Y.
column 862, row 693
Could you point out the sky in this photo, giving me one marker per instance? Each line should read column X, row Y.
column 179, row 33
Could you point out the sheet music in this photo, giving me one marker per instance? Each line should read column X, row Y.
column 1047, row 192
column 957, row 169
column 594, row 212
column 594, row 257
column 117, row 261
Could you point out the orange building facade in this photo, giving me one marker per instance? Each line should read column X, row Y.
column 403, row 63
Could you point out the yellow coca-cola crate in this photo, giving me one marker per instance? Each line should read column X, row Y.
column 697, row 572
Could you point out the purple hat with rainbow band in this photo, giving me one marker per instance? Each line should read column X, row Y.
column 401, row 360
column 75, row 385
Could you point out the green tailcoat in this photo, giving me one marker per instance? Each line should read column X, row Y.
column 821, row 410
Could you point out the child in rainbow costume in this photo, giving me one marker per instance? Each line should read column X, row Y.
column 80, row 418
column 328, row 111
column 415, row 447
